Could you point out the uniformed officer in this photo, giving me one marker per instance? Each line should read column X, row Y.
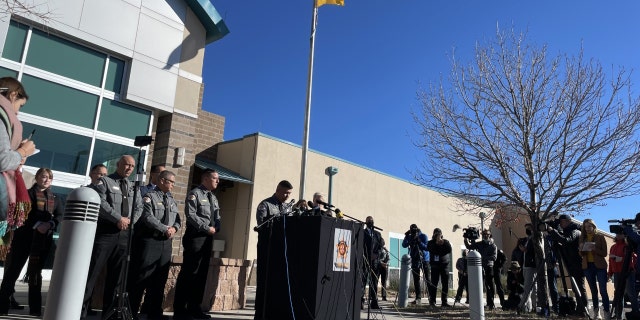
column 203, row 221
column 274, row 206
column 153, row 179
column 118, row 209
column 151, row 252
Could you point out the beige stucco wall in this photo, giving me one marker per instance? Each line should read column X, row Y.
column 357, row 191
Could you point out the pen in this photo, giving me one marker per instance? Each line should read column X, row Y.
column 31, row 135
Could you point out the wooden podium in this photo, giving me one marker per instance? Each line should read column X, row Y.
column 313, row 269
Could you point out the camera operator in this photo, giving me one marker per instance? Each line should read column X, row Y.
column 416, row 241
column 616, row 258
column 439, row 259
column 567, row 238
column 488, row 251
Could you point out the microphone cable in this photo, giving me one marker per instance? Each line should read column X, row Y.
column 286, row 262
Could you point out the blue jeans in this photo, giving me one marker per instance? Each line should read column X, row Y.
column 592, row 274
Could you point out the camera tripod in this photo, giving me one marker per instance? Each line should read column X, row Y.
column 617, row 307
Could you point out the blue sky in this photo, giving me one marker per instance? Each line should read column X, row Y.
column 370, row 57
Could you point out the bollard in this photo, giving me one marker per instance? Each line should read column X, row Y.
column 474, row 270
column 73, row 254
column 403, row 286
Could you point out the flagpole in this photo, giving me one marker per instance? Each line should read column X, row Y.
column 307, row 116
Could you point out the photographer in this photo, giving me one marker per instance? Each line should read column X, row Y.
column 416, row 241
column 488, row 251
column 439, row 258
column 567, row 238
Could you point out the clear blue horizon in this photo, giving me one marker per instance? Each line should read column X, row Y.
column 370, row 58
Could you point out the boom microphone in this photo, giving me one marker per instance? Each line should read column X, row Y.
column 325, row 204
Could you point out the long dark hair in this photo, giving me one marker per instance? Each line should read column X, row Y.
column 9, row 85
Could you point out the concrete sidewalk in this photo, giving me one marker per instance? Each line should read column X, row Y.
column 387, row 311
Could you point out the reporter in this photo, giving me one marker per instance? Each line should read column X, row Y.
column 593, row 249
column 32, row 241
column 13, row 149
column 440, row 257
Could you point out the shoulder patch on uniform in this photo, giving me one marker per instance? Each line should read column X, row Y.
column 192, row 197
column 99, row 183
column 146, row 199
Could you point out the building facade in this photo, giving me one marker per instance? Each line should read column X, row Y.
column 101, row 73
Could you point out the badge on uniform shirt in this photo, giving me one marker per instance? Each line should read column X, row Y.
column 146, row 199
column 192, row 197
column 115, row 188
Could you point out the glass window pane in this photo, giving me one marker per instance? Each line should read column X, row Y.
column 4, row 72
column 59, row 150
column 65, row 58
column 57, row 102
column 115, row 72
column 394, row 250
column 123, row 120
column 16, row 38
column 109, row 153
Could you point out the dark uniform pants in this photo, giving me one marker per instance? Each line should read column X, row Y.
column 150, row 262
column 110, row 250
column 192, row 279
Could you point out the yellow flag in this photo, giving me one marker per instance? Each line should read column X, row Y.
column 323, row 2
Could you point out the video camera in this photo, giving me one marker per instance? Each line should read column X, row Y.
column 619, row 225
column 471, row 233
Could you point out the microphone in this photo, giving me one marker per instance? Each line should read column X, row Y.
column 339, row 214
column 325, row 204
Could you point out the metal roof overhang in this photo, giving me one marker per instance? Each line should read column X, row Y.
column 210, row 19
column 223, row 172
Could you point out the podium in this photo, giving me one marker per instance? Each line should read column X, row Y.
column 311, row 269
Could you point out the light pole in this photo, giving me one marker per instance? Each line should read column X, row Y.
column 330, row 171
column 482, row 216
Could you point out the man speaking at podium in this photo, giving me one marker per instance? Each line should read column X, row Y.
column 274, row 206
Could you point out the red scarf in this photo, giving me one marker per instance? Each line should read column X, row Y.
column 17, row 196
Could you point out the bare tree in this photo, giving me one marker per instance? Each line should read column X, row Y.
column 37, row 10
column 536, row 133
column 519, row 128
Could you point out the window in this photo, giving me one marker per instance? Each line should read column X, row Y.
column 14, row 44
column 54, row 101
column 4, row 72
column 115, row 73
column 123, row 120
column 395, row 249
column 59, row 56
column 74, row 103
column 109, row 153
column 59, row 150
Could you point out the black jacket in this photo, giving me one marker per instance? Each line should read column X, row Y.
column 439, row 254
